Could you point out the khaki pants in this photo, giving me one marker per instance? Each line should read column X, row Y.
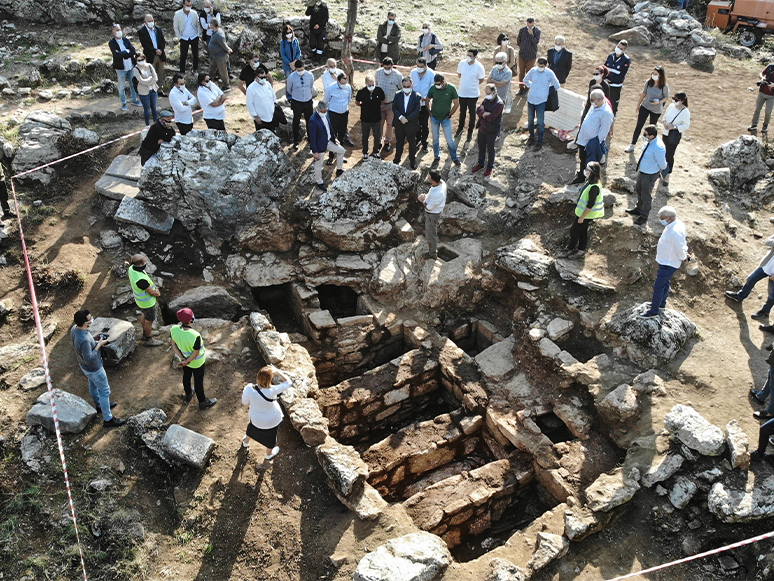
column 431, row 232
column 387, row 116
column 524, row 66
column 158, row 65
column 220, row 66
column 318, row 163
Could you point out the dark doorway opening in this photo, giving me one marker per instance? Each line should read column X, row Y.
column 276, row 302
column 554, row 428
column 340, row 301
column 447, row 254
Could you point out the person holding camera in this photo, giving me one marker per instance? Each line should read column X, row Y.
column 765, row 96
column 87, row 352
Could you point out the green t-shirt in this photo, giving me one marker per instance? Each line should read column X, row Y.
column 442, row 100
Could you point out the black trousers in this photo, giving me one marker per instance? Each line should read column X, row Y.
column 467, row 104
column 582, row 158
column 4, row 197
column 198, row 377
column 145, row 155
column 401, row 135
column 424, row 125
column 299, row 108
column 486, row 147
column 194, row 44
column 615, row 97
column 215, row 124
column 670, row 153
column 317, row 41
column 579, row 234
column 339, row 125
column 642, row 116
column 184, row 128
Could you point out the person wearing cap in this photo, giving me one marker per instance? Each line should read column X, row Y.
column 261, row 101
column 145, row 295
column 182, row 102
column 161, row 131
column 188, row 345
column 265, row 415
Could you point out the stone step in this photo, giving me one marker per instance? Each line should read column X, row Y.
column 116, row 188
column 126, row 167
column 133, row 211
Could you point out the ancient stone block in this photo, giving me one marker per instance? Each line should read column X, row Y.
column 187, row 446
column 73, row 413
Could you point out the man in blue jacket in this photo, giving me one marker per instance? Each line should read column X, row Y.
column 618, row 63
column 560, row 60
column 652, row 162
column 405, row 109
column 322, row 139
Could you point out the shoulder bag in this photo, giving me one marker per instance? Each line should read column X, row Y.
column 674, row 135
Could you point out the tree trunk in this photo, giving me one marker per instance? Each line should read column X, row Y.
column 349, row 30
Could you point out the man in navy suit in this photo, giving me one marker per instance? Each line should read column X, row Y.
column 153, row 45
column 560, row 60
column 405, row 108
column 322, row 139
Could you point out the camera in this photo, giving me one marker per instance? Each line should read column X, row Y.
column 102, row 336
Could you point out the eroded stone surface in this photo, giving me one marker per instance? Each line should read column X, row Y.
column 342, row 464
column 611, row 490
column 693, row 430
column 413, row 557
column 741, row 505
column 73, row 412
column 187, row 446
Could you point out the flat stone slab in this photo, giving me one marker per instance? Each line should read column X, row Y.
column 187, row 446
column 73, row 412
column 496, row 362
column 122, row 339
column 116, row 188
column 134, row 211
column 33, row 379
column 126, row 167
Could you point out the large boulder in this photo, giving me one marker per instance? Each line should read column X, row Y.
column 73, row 413
column 207, row 301
column 744, row 158
column 524, row 258
column 414, row 557
column 618, row 16
column 187, row 446
column 39, row 137
column 121, row 335
column 693, row 430
column 741, row 505
column 701, row 57
column 639, row 35
column 611, row 490
column 225, row 187
column 598, row 6
column 343, row 466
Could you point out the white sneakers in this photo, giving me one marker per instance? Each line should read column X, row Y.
column 629, row 149
column 246, row 446
column 274, row 452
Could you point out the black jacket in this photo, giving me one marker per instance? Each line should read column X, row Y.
column 370, row 104
column 562, row 67
column 157, row 131
column 147, row 44
column 118, row 56
column 318, row 15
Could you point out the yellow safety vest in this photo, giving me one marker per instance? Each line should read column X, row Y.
column 185, row 340
column 143, row 299
column 597, row 210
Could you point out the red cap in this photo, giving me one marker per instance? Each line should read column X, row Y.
column 185, row 315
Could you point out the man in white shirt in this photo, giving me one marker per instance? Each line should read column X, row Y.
column 434, row 202
column 765, row 270
column 213, row 102
column 187, row 29
column 331, row 74
column 671, row 252
column 471, row 73
column 261, row 101
column 182, row 102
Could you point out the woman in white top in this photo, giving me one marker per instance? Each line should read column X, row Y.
column 265, row 412
column 147, row 88
column 676, row 121
column 213, row 102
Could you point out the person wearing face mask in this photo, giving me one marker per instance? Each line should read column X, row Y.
column 188, row 346
column 765, row 97
column 617, row 64
column 527, row 41
column 147, row 87
column 428, row 46
column 247, row 74
column 538, row 81
column 650, row 165
column 598, row 81
column 331, row 74
column 593, row 133
column 651, row 102
column 298, row 90
column 390, row 82
column 124, row 57
column 322, row 139
column 145, row 295
column 158, row 133
column 182, row 102
column 671, row 252
column 471, row 73
column 208, row 13
column 434, row 202
column 219, row 53
column 676, row 121
column 370, row 99
column 442, row 103
column 317, row 11
column 560, row 60
column 338, row 97
column 422, row 79
column 187, row 28
column 261, row 101
column 153, row 45
column 388, row 39
column 290, row 49
column 504, row 45
column 213, row 102
column 589, row 207
column 500, row 76
column 405, row 110
column 490, row 120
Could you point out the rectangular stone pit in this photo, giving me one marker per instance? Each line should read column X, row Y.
column 475, row 336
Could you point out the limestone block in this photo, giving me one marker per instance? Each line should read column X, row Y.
column 187, row 446
column 414, row 557
column 682, row 492
column 273, row 346
column 620, row 405
column 73, row 412
column 343, row 466
column 116, row 188
column 732, row 505
column 306, row 417
column 133, row 211
column 496, row 362
column 207, row 301
column 738, row 445
column 662, row 468
column 559, row 328
column 126, row 167
column 548, row 548
column 611, row 490
column 33, row 379
column 122, row 339
column 694, row 430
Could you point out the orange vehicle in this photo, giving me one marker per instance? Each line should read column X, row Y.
column 751, row 18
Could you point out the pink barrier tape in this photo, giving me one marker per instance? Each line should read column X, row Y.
column 49, row 384
column 699, row 556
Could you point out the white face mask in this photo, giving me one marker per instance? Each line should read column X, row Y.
column 421, row 69
column 186, row 9
column 260, row 80
column 343, row 85
column 289, row 36
column 645, row 139
column 663, row 222
column 181, row 87
column 500, row 66
column 586, row 173
column 407, row 90
column 439, row 86
column 489, row 97
column 597, row 77
column 425, row 30
column 387, row 71
column 541, row 69
column 208, row 84
column 506, row 42
column 470, row 59
column 255, row 64
column 207, row 10
column 558, row 47
column 618, row 51
column 150, row 25
column 371, row 88
column 119, row 34
column 655, row 77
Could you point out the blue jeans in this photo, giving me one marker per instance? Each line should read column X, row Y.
column 661, row 288
column 149, row 103
column 447, row 133
column 682, row 4
column 100, row 391
column 755, row 277
column 541, row 126
column 768, row 392
column 123, row 78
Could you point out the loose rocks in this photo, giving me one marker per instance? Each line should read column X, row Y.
column 694, row 431
column 207, row 301
column 611, row 490
column 187, row 446
column 122, row 339
column 73, row 412
column 414, row 557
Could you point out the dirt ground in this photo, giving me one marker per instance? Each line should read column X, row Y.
column 279, row 520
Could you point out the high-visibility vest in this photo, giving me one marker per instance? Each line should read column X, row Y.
column 597, row 210
column 142, row 297
column 185, row 338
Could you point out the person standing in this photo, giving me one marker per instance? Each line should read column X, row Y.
column 422, row 79
column 261, row 101
column 527, row 41
column 124, row 58
column 391, row 83
column 187, row 29
column 593, row 132
column 442, row 103
column 188, row 346
column 338, row 97
column 388, row 39
column 434, row 202
column 671, row 252
column 500, row 76
column 370, row 99
column 405, row 112
column 765, row 97
column 765, row 270
column 471, row 74
column 538, row 80
column 317, row 11
column 590, row 207
column 4, row 196
column 764, row 439
column 331, row 74
column 428, row 46
column 209, row 13
column 219, row 52
column 490, row 120
column 504, row 45
column 182, row 102
column 145, row 295
column 298, row 90
column 290, row 49
column 147, row 88
column 651, row 163
column 598, row 80
column 158, row 133
column 213, row 102
column 617, row 64
column 651, row 102
column 767, row 391
column 560, row 60
column 265, row 415
column 247, row 74
column 153, row 45
column 87, row 353
column 322, row 139
column 676, row 121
